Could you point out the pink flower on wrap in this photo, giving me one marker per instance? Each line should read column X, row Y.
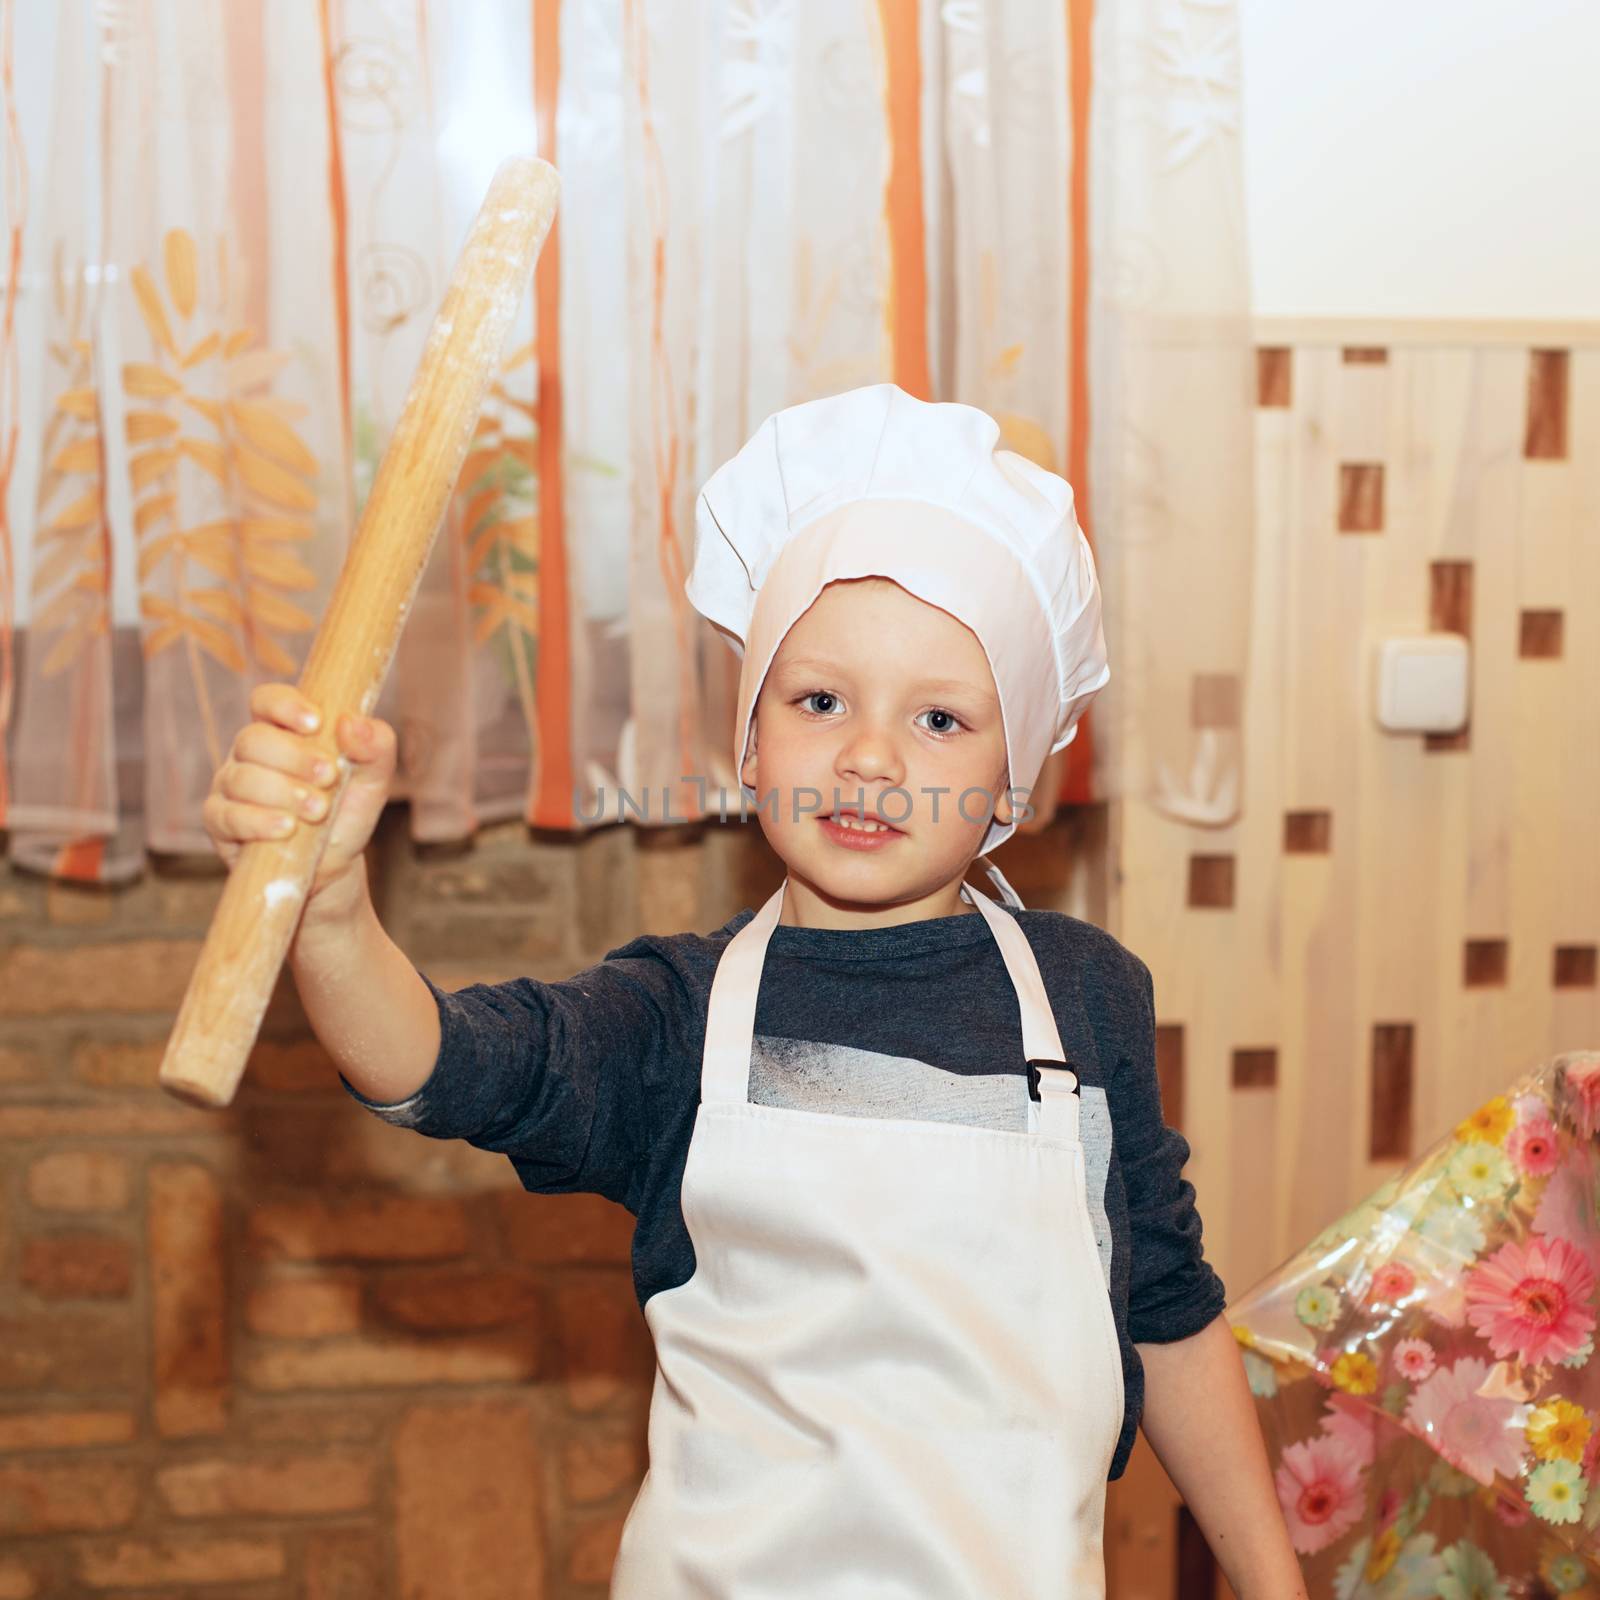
column 1582, row 1082
column 1511, row 1512
column 1391, row 1283
column 1319, row 1488
column 1389, row 1503
column 1532, row 1145
column 1477, row 1435
column 1566, row 1209
column 1352, row 1423
column 1531, row 1300
column 1413, row 1359
column 1591, row 1456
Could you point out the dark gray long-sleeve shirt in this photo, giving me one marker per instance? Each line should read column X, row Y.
column 591, row 1083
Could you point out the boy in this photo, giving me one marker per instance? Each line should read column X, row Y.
column 913, row 1243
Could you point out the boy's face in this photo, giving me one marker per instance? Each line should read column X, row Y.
column 873, row 690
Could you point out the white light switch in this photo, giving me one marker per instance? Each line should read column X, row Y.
column 1423, row 683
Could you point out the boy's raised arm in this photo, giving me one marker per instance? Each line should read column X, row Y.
column 364, row 998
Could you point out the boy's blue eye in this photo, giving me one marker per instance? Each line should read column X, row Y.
column 951, row 724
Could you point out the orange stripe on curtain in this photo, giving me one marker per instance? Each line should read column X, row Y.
column 551, row 803
column 1077, row 769
column 81, row 860
column 341, row 230
column 908, row 269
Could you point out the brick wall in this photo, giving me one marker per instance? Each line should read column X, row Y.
column 287, row 1350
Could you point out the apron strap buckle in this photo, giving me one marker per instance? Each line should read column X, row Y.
column 1051, row 1077
column 1055, row 1088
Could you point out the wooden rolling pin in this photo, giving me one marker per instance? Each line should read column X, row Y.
column 261, row 903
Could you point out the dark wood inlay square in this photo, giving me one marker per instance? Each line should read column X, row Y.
column 1576, row 966
column 1255, row 1069
column 1389, row 1127
column 1548, row 389
column 1450, row 611
column 1273, row 382
column 1541, row 636
column 1484, row 963
column 1361, row 497
column 1211, row 882
column 1307, row 833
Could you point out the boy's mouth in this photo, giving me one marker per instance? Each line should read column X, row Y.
column 849, row 827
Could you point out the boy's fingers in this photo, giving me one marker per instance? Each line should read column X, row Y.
column 368, row 741
column 268, row 746
column 283, row 704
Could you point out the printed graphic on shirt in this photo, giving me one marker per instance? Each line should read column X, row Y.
column 811, row 1075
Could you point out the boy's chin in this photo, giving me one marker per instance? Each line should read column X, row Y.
column 901, row 869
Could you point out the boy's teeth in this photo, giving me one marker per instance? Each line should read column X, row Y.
column 845, row 820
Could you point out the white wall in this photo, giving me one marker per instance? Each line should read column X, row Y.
column 1423, row 158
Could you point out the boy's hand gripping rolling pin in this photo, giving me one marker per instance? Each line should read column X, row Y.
column 266, row 890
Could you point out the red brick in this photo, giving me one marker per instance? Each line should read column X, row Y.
column 69, row 1350
column 456, row 1299
column 468, row 1517
column 306, row 1308
column 186, row 891
column 118, row 1064
column 64, row 1430
column 594, row 1550
column 119, row 1121
column 78, row 905
column 595, row 1469
column 22, row 1066
column 295, row 1066
column 141, row 1563
column 78, row 1266
column 343, row 1419
column 17, row 1582
column 188, row 1300
column 343, row 1564
column 293, row 1486
column 561, row 1229
column 374, row 1227
column 605, row 1344
column 57, row 1498
column 79, row 1180
column 145, row 975
column 393, row 1362
column 324, row 1146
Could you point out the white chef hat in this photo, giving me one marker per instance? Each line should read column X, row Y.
column 873, row 482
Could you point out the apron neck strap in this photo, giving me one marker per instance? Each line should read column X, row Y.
column 731, row 1015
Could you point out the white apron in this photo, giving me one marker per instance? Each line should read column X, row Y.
column 894, row 1370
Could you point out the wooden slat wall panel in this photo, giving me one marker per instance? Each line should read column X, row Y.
column 1398, row 923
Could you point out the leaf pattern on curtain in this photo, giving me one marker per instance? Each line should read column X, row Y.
column 755, row 192
column 72, row 571
column 207, row 439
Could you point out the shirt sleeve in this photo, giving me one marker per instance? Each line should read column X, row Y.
column 1173, row 1291
column 551, row 1075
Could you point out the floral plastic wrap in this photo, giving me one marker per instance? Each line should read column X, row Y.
column 1425, row 1369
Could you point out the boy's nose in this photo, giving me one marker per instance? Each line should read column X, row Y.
column 870, row 755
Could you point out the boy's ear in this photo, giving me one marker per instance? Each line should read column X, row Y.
column 1004, row 813
column 747, row 772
